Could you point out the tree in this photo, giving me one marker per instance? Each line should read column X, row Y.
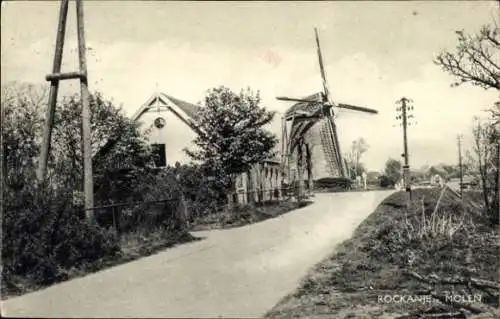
column 232, row 138
column 22, row 122
column 358, row 148
column 495, row 114
column 372, row 177
column 24, row 108
column 131, row 153
column 42, row 236
column 393, row 170
column 477, row 58
column 487, row 163
column 477, row 61
column 417, row 176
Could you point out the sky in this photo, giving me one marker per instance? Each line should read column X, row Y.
column 374, row 52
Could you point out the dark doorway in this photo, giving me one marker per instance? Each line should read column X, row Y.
column 159, row 155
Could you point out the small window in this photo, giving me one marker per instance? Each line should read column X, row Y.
column 159, row 155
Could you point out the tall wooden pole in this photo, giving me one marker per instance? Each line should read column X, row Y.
column 406, row 167
column 54, row 79
column 88, row 186
column 3, row 162
column 54, row 88
column 405, row 135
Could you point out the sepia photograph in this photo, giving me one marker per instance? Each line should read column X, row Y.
column 250, row 159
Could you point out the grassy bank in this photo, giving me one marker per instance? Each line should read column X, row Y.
column 246, row 214
column 387, row 254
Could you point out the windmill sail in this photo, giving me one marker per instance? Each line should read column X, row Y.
column 321, row 66
column 330, row 141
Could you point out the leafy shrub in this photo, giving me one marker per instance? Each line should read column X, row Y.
column 43, row 237
column 334, row 183
column 202, row 194
column 385, row 181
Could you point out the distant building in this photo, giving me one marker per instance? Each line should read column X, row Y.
column 437, row 180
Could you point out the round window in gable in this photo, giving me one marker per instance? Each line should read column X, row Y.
column 159, row 122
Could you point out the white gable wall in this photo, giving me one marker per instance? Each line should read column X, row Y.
column 176, row 135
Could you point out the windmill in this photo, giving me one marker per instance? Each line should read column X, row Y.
column 305, row 114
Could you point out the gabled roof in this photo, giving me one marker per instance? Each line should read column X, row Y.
column 191, row 110
column 164, row 100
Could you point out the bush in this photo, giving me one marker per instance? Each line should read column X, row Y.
column 334, row 183
column 386, row 182
column 201, row 195
column 43, row 238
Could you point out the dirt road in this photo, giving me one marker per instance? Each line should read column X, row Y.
column 240, row 272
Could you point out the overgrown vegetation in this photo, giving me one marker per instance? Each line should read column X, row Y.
column 450, row 245
column 333, row 184
column 486, row 162
column 476, row 61
column 46, row 237
column 392, row 173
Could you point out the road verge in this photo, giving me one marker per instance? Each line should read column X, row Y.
column 375, row 273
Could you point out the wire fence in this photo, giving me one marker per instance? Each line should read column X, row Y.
column 173, row 213
column 142, row 216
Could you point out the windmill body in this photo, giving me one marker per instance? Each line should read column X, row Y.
column 310, row 123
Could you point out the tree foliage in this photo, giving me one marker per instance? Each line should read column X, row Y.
column 24, row 108
column 22, row 123
column 373, row 176
column 476, row 60
column 486, row 162
column 385, row 181
column 131, row 153
column 353, row 158
column 392, row 170
column 495, row 113
column 43, row 236
column 232, row 136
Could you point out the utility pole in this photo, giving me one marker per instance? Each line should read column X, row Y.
column 404, row 109
column 459, row 141
column 54, row 79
